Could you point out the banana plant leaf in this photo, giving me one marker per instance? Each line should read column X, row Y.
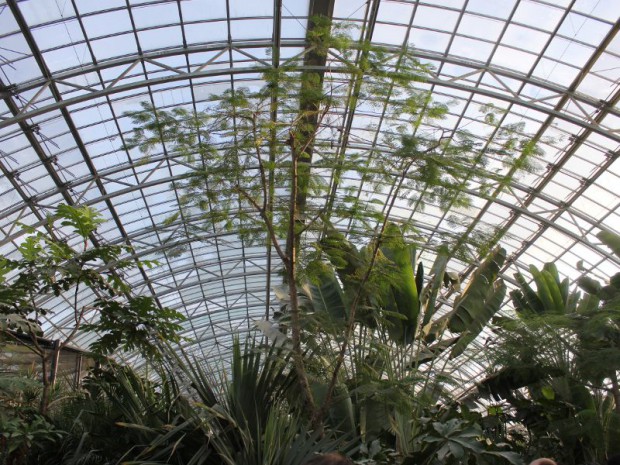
column 470, row 309
column 492, row 304
column 525, row 298
column 552, row 295
column 341, row 414
column 611, row 240
column 326, row 295
column 431, row 352
column 547, row 290
column 478, row 304
column 429, row 295
column 500, row 385
column 343, row 256
column 404, row 298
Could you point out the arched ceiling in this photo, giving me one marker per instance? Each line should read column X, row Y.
column 70, row 69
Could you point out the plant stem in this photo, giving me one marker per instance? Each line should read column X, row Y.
column 291, row 269
column 356, row 300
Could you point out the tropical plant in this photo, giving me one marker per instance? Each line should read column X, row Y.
column 390, row 372
column 50, row 266
column 113, row 417
column 24, row 432
column 448, row 435
column 249, row 146
column 253, row 414
column 249, row 416
column 556, row 364
column 25, row 436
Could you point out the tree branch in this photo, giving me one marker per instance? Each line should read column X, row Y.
column 261, row 167
column 20, row 342
column 291, row 268
column 78, row 319
column 267, row 221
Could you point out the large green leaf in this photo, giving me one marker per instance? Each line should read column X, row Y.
column 404, row 297
column 473, row 309
column 84, row 220
column 326, row 295
column 492, row 304
column 525, row 299
column 429, row 353
column 546, row 290
column 429, row 296
column 611, row 240
column 343, row 256
column 552, row 295
column 500, row 384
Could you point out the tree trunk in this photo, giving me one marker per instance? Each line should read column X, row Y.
column 45, row 394
column 291, row 269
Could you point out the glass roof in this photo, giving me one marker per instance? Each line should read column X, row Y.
column 71, row 69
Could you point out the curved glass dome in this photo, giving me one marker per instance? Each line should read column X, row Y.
column 71, row 69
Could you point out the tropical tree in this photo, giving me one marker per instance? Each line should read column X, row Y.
column 257, row 163
column 395, row 369
column 51, row 266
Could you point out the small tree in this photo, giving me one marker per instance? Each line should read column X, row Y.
column 263, row 163
column 50, row 267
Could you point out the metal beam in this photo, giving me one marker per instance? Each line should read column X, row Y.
column 449, row 82
column 219, row 48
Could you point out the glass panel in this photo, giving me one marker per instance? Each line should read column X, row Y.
column 538, row 15
column 155, row 15
column 435, row 18
column 107, row 23
column 484, row 28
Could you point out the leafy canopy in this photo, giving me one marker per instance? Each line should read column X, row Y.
column 50, row 267
column 248, row 147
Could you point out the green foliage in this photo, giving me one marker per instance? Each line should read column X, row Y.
column 83, row 220
column 388, row 297
column 249, row 417
column 325, row 294
column 282, row 182
column 429, row 295
column 385, row 371
column 24, row 437
column 242, row 161
column 114, row 418
column 479, row 302
column 450, row 437
column 133, row 325
column 404, row 292
column 468, row 307
column 50, row 267
column 557, row 364
column 24, row 433
column 611, row 240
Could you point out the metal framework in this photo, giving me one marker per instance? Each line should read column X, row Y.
column 69, row 71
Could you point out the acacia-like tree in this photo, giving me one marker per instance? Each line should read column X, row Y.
column 270, row 165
